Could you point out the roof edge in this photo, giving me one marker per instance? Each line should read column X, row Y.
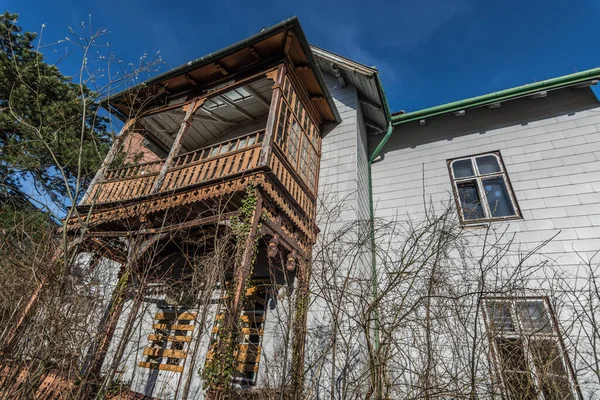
column 500, row 96
column 191, row 65
column 359, row 68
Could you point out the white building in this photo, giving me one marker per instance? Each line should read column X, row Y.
column 485, row 216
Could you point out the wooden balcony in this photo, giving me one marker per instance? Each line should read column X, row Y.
column 207, row 164
column 280, row 156
column 206, row 167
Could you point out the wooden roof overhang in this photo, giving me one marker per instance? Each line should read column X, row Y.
column 282, row 42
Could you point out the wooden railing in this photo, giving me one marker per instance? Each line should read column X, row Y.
column 210, row 163
column 214, row 162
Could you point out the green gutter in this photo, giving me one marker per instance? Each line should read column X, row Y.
column 503, row 95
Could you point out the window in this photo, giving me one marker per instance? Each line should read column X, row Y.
column 526, row 349
column 297, row 136
column 169, row 343
column 249, row 336
column 482, row 189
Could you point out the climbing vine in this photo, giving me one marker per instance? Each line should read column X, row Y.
column 218, row 372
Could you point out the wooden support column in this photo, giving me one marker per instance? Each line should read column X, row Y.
column 108, row 159
column 230, row 324
column 299, row 342
column 265, row 152
column 189, row 109
column 243, row 270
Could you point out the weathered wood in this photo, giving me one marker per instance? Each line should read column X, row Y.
column 243, row 270
column 265, row 153
column 218, row 118
column 299, row 327
column 168, row 338
column 185, row 124
column 162, row 367
column 168, row 353
column 107, row 160
column 173, row 327
column 186, row 169
column 184, row 316
column 257, row 96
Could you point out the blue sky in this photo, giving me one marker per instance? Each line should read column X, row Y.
column 429, row 52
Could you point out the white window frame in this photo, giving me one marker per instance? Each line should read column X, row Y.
column 526, row 337
column 478, row 177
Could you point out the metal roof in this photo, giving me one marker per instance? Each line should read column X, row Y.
column 366, row 80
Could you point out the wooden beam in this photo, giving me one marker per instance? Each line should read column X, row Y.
column 166, row 338
column 221, row 68
column 267, row 146
column 367, row 102
column 254, row 53
column 165, row 229
column 338, row 75
column 161, row 367
column 237, row 108
column 209, row 118
column 191, row 80
column 108, row 159
column 156, row 352
column 290, row 242
column 195, row 94
column 288, row 41
column 221, row 120
column 373, row 125
column 257, row 96
column 185, row 124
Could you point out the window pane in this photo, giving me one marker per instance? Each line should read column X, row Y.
column 551, row 370
column 500, row 317
column 488, row 164
column 497, row 197
column 462, row 168
column 512, row 354
column 470, row 201
column 534, row 317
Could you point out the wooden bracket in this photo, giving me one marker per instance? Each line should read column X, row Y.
column 288, row 41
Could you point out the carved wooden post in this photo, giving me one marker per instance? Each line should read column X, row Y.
column 108, row 159
column 299, row 342
column 189, row 109
column 243, row 271
column 241, row 275
column 265, row 152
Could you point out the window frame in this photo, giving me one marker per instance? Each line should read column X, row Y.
column 478, row 178
column 526, row 337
